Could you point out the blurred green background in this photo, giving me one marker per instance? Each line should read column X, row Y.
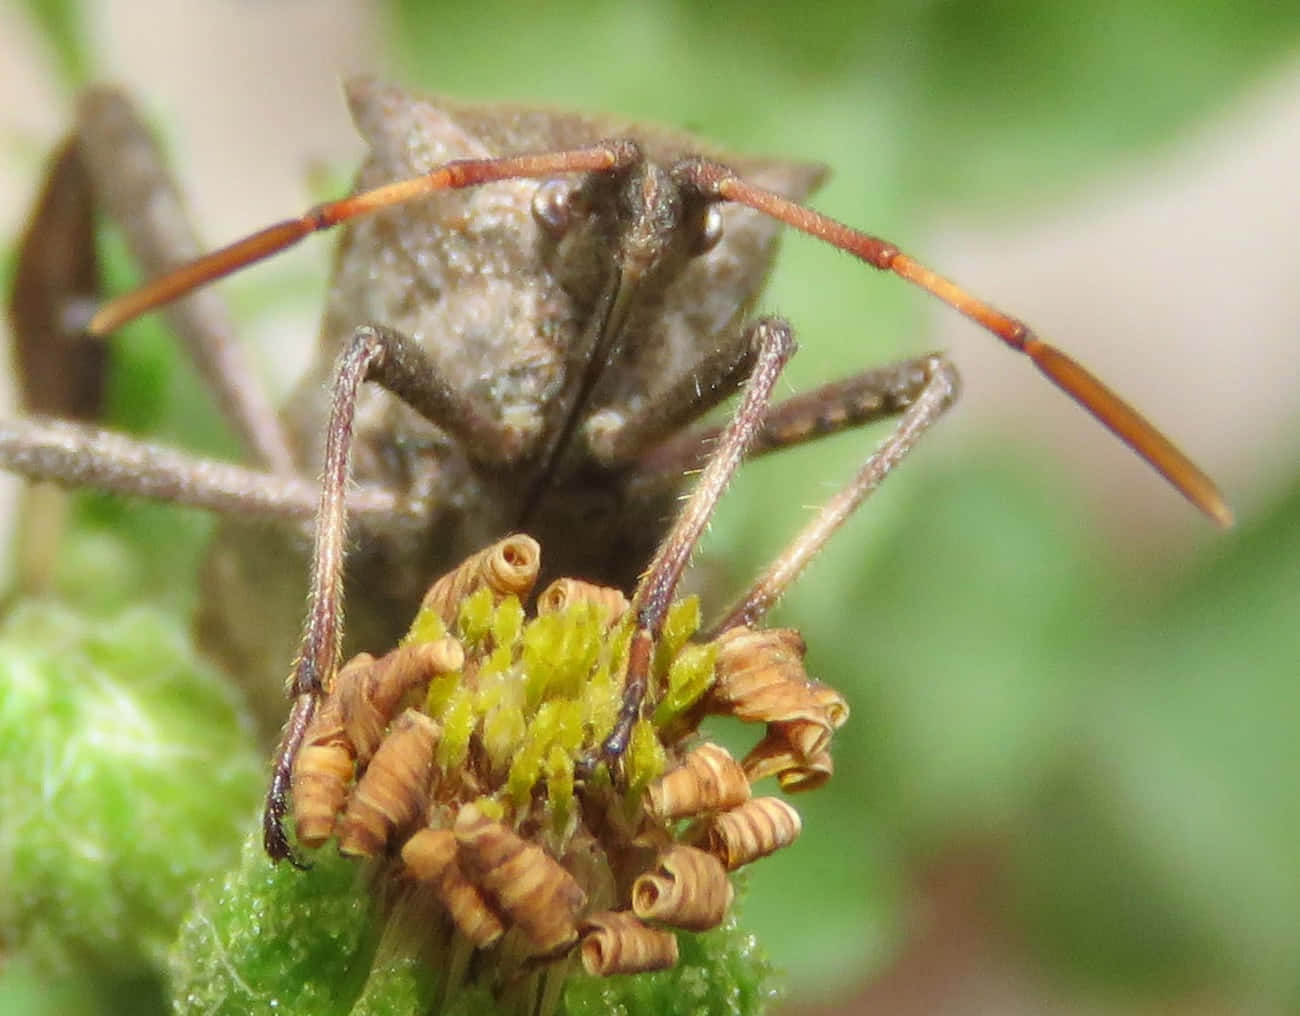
column 1069, row 781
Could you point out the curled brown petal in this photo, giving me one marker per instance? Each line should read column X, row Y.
column 430, row 856
column 708, row 779
column 770, row 757
column 410, row 668
column 324, row 767
column 329, row 725
column 615, row 942
column 688, row 889
column 746, row 646
column 528, row 886
column 755, row 829
column 759, row 678
column 508, row 567
column 561, row 593
column 321, row 774
column 809, row 775
column 394, row 789
column 832, row 702
column 429, row 853
column 370, row 696
column 807, row 738
column 775, row 756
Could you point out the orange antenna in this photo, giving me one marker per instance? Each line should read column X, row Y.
column 282, row 235
column 1064, row 371
column 712, row 180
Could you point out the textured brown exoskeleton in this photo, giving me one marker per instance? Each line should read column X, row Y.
column 553, row 299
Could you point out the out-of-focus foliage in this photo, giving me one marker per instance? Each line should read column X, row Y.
column 977, row 100
column 1182, row 765
column 127, row 772
column 1129, row 730
column 63, row 24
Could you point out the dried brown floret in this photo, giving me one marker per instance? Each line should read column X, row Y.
column 564, row 593
column 321, row 776
column 760, row 678
column 745, row 647
column 393, row 792
column 429, row 853
column 371, row 696
column 528, row 886
column 325, row 766
column 430, row 856
column 808, row 776
column 508, row 567
column 774, row 756
column 688, row 889
column 755, row 829
column 807, row 737
column 409, row 668
column 832, row 703
column 489, row 760
column 615, row 942
column 708, row 779
column 331, row 719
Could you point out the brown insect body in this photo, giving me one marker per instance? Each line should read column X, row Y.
column 545, row 332
column 516, row 339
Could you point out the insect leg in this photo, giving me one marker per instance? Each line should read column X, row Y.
column 937, row 395
column 81, row 455
column 839, row 405
column 390, row 359
column 130, row 179
column 616, row 439
column 775, row 345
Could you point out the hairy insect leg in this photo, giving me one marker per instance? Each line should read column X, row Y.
column 75, row 454
column 395, row 362
column 840, row 405
column 616, row 438
column 110, row 161
column 774, row 344
column 130, row 179
column 933, row 400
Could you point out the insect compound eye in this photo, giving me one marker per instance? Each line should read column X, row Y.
column 710, row 233
column 553, row 205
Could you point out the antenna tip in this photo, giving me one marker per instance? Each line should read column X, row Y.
column 1219, row 511
column 102, row 322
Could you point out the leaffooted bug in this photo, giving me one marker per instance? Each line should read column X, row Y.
column 546, row 303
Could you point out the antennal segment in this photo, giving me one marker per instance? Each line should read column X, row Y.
column 1065, row 372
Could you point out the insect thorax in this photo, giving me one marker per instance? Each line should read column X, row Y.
column 473, row 278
